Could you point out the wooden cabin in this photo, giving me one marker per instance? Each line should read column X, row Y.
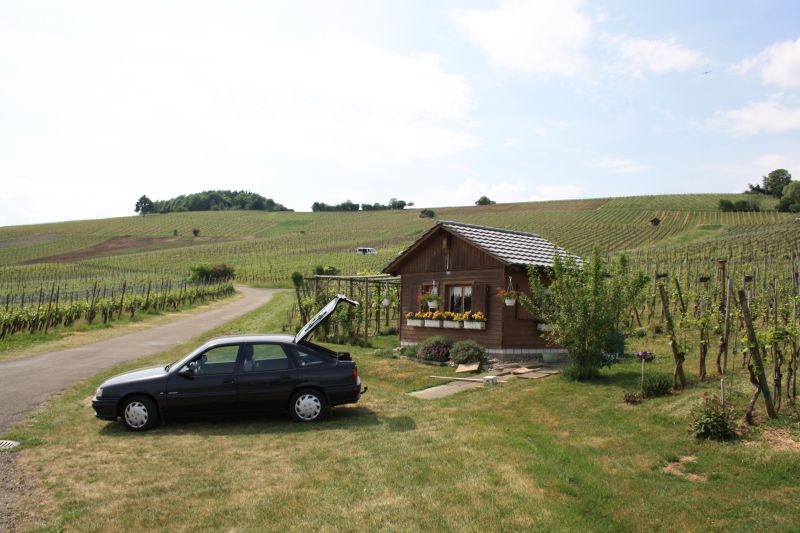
column 466, row 264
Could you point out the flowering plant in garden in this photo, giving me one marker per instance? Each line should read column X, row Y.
column 477, row 316
column 410, row 314
column 428, row 315
column 449, row 315
column 437, row 315
column 645, row 357
column 506, row 293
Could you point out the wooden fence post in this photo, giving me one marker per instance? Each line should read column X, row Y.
column 756, row 363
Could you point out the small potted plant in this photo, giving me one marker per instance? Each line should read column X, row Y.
column 452, row 320
column 432, row 299
column 413, row 320
column 509, row 296
column 433, row 319
column 476, row 320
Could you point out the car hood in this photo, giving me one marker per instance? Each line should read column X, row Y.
column 136, row 375
column 326, row 311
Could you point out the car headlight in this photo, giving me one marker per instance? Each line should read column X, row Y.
column 99, row 393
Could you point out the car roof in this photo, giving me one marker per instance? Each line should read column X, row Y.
column 237, row 339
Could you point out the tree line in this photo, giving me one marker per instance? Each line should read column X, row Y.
column 347, row 205
column 779, row 184
column 216, row 200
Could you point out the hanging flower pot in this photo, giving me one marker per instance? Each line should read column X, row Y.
column 508, row 295
column 433, row 304
column 510, row 302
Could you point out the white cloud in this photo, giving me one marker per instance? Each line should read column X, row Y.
column 758, row 117
column 643, row 56
column 173, row 98
column 545, row 37
column 617, row 165
column 501, row 192
column 779, row 64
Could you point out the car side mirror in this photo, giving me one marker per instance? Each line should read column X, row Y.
column 186, row 372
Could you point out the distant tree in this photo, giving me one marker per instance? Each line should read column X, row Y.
column 219, row 200
column 790, row 202
column 196, row 232
column 484, row 200
column 144, row 205
column 410, row 204
column 427, row 213
column 775, row 181
column 394, row 203
column 726, row 206
column 754, row 189
column 329, row 270
column 206, row 272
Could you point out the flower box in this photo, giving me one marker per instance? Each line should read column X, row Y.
column 415, row 322
column 451, row 324
column 430, row 323
column 474, row 325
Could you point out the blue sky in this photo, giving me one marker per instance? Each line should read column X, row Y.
column 433, row 102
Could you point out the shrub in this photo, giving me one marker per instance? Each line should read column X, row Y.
column 609, row 360
column 579, row 373
column 712, row 420
column 632, row 397
column 205, row 272
column 435, row 349
column 656, row 385
column 466, row 352
column 195, row 232
column 427, row 213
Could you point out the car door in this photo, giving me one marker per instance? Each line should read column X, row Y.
column 267, row 376
column 207, row 384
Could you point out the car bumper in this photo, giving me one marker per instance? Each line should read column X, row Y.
column 105, row 408
column 345, row 395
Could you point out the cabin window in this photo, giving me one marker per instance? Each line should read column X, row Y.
column 461, row 298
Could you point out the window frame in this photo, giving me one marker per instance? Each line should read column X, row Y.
column 461, row 286
column 236, row 361
column 240, row 364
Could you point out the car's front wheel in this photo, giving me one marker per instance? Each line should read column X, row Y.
column 139, row 413
column 307, row 405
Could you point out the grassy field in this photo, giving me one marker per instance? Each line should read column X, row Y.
column 267, row 247
column 544, row 454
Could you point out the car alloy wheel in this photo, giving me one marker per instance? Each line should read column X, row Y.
column 308, row 407
column 136, row 415
column 139, row 413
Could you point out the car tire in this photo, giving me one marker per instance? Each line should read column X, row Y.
column 139, row 413
column 308, row 405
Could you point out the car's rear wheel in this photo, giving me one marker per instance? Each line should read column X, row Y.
column 308, row 405
column 139, row 413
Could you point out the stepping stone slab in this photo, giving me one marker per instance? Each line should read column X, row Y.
column 442, row 391
column 533, row 375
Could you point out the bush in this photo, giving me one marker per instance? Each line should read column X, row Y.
column 632, row 397
column 712, row 420
column 615, row 343
column 579, row 373
column 609, row 360
column 466, row 352
column 205, row 272
column 435, row 349
column 655, row 385
column 427, row 213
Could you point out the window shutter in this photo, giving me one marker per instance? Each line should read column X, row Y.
column 479, row 300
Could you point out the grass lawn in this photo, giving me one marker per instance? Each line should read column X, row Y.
column 543, row 454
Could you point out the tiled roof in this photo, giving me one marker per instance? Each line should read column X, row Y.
column 510, row 246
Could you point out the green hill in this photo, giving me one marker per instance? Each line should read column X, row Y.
column 266, row 247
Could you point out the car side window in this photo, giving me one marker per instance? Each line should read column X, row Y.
column 219, row 360
column 305, row 357
column 263, row 358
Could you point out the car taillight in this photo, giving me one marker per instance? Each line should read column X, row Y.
column 355, row 374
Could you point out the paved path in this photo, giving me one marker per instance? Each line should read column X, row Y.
column 26, row 383
column 448, row 389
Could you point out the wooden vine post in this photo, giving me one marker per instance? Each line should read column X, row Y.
column 678, row 376
column 755, row 364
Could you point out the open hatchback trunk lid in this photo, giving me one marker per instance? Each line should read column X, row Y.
column 326, row 311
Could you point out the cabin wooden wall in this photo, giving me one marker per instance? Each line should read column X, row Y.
column 449, row 260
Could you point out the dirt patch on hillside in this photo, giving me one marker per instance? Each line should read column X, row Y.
column 676, row 469
column 117, row 245
column 777, row 439
column 28, row 239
